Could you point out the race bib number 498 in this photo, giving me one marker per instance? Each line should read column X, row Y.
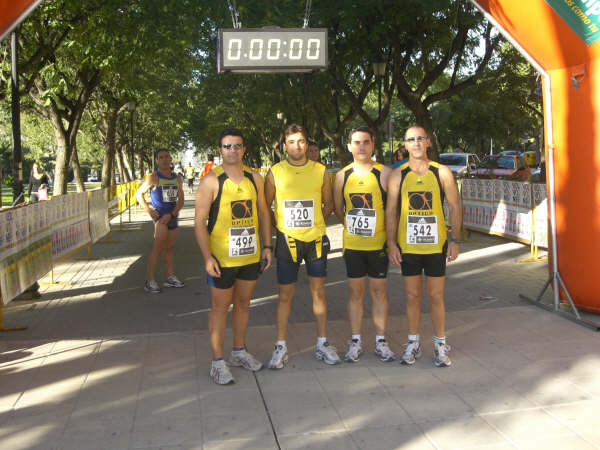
column 422, row 230
column 298, row 214
column 242, row 241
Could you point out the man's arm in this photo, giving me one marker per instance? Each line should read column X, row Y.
column 149, row 182
column 205, row 195
column 391, row 217
column 270, row 195
column 180, row 196
column 338, row 195
column 264, row 220
column 451, row 193
column 326, row 195
column 385, row 176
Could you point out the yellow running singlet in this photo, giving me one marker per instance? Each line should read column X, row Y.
column 233, row 221
column 422, row 228
column 364, row 198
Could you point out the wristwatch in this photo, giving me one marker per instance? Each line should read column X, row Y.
column 456, row 241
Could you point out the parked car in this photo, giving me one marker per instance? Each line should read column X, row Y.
column 511, row 167
column 510, row 152
column 92, row 178
column 461, row 164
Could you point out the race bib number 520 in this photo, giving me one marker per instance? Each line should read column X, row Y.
column 298, row 213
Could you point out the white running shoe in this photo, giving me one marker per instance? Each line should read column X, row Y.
column 152, row 287
column 412, row 352
column 173, row 282
column 279, row 358
column 440, row 355
column 327, row 353
column 245, row 360
column 383, row 352
column 354, row 351
column 220, row 374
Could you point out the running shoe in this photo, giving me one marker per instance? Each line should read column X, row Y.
column 327, row 353
column 440, row 355
column 412, row 352
column 354, row 351
column 152, row 287
column 220, row 374
column 383, row 352
column 279, row 358
column 245, row 360
column 173, row 282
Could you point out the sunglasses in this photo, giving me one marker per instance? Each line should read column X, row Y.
column 418, row 139
column 230, row 146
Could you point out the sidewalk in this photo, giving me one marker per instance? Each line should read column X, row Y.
column 104, row 365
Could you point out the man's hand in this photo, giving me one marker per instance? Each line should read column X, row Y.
column 165, row 219
column 212, row 267
column 453, row 251
column 267, row 254
column 394, row 254
column 154, row 214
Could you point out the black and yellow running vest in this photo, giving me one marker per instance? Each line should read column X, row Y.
column 233, row 221
column 364, row 197
column 422, row 228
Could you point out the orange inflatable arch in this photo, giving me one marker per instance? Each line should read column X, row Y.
column 558, row 37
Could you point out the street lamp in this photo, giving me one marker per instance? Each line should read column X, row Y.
column 131, row 105
column 280, row 118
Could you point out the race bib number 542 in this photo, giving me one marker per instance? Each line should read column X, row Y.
column 298, row 213
column 422, row 230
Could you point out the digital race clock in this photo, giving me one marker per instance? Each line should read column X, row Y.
column 272, row 50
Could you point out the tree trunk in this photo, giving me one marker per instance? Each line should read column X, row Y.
column 123, row 176
column 77, row 175
column 108, row 165
column 63, row 154
column 126, row 163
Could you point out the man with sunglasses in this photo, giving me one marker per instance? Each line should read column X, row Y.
column 359, row 193
column 230, row 212
column 301, row 189
column 418, row 241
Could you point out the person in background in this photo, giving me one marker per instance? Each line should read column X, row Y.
column 404, row 159
column 313, row 153
column 208, row 166
column 38, row 184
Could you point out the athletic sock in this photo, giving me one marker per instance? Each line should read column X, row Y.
column 357, row 338
column 321, row 341
column 237, row 350
column 216, row 360
column 439, row 340
column 282, row 343
column 413, row 338
column 379, row 338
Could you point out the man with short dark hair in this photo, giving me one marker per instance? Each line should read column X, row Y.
column 301, row 190
column 166, row 195
column 417, row 239
column 230, row 213
column 313, row 153
column 359, row 192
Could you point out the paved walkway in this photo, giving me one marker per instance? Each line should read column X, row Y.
column 103, row 365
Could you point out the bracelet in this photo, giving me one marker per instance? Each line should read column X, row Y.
column 270, row 247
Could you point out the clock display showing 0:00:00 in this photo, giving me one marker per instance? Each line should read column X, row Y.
column 273, row 49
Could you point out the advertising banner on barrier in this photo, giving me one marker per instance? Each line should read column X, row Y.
column 25, row 248
column 99, row 224
column 498, row 207
column 540, row 214
column 71, row 230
